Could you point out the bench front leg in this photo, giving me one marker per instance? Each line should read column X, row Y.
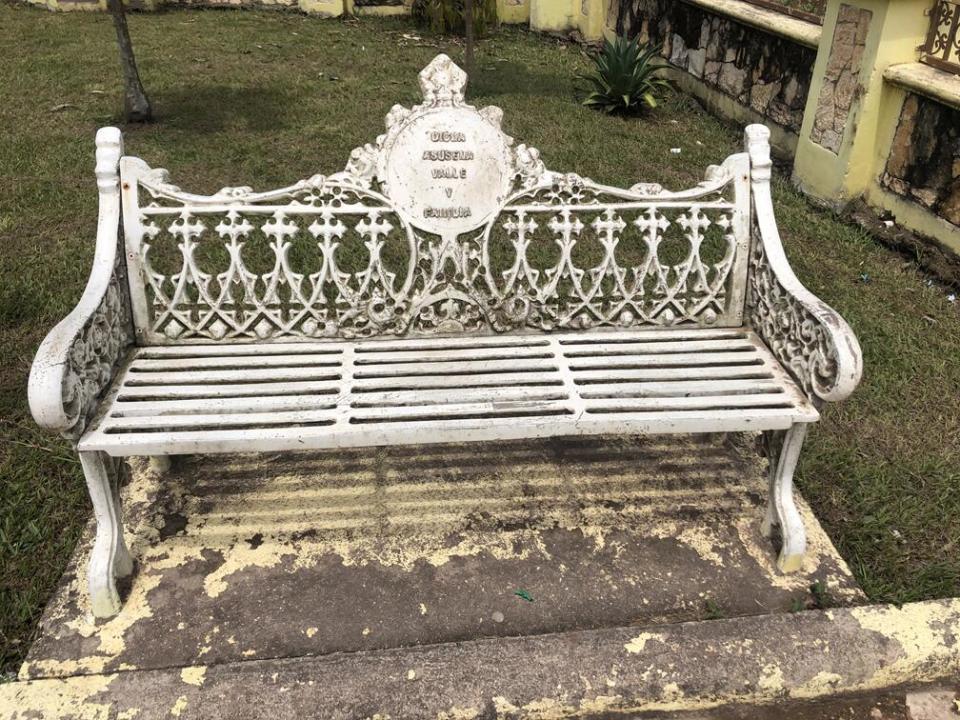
column 783, row 451
column 110, row 560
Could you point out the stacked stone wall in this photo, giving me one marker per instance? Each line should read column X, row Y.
column 766, row 72
column 924, row 160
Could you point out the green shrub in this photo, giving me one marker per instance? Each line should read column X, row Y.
column 446, row 16
column 625, row 78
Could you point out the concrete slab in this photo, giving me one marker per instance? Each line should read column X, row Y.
column 256, row 557
column 771, row 666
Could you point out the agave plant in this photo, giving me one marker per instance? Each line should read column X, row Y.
column 625, row 78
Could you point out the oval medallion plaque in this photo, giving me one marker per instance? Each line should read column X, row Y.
column 448, row 170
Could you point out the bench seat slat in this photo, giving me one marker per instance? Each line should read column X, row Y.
column 678, row 388
column 234, row 362
column 186, row 399
column 415, row 433
column 616, row 375
column 456, row 381
column 700, row 402
column 446, row 396
column 544, row 364
column 745, row 357
column 454, row 355
column 217, row 390
column 227, row 419
column 652, row 348
column 178, row 377
column 210, row 406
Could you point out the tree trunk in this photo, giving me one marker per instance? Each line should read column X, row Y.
column 468, row 22
column 136, row 106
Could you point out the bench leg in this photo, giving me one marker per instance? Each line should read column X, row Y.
column 783, row 450
column 110, row 558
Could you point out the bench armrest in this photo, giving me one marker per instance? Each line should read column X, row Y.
column 810, row 338
column 78, row 359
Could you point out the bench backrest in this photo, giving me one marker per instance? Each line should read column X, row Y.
column 442, row 226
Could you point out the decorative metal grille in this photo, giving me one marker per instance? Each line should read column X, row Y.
column 339, row 262
column 942, row 48
column 349, row 256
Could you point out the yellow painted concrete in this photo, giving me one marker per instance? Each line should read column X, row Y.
column 915, row 217
column 925, row 80
column 896, row 29
column 899, row 80
column 383, row 10
column 323, row 8
column 513, row 12
column 553, row 15
column 890, row 69
column 428, row 502
column 592, row 19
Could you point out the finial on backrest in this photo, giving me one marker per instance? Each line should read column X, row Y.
column 109, row 150
column 442, row 82
column 756, row 141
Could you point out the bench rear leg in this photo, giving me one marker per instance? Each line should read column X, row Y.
column 110, row 558
column 783, row 451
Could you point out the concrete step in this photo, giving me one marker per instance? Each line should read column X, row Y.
column 803, row 665
column 258, row 557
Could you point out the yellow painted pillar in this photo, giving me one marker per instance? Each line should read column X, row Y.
column 837, row 154
column 593, row 16
column 323, row 8
column 557, row 16
column 513, row 12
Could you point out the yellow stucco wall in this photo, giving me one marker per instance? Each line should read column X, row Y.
column 513, row 12
column 897, row 29
column 584, row 16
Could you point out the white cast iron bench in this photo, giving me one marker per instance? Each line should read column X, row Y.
column 444, row 287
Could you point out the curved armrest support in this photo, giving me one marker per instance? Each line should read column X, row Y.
column 78, row 359
column 810, row 338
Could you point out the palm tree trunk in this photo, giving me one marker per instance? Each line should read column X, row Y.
column 136, row 106
column 468, row 22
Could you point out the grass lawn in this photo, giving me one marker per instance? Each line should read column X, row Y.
column 266, row 98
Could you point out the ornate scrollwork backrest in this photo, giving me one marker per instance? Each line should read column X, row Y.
column 442, row 225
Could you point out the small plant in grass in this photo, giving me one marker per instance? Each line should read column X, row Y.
column 624, row 79
column 821, row 596
column 712, row 610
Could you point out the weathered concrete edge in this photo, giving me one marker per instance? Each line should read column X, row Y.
column 800, row 31
column 689, row 666
column 928, row 81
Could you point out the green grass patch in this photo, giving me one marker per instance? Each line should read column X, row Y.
column 266, row 98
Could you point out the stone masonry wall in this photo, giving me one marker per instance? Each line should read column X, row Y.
column 924, row 161
column 768, row 73
column 841, row 78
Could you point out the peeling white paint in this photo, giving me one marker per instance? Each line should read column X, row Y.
column 179, row 706
column 194, row 675
column 640, row 642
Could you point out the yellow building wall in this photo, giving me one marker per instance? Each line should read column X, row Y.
column 897, row 28
column 513, row 12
